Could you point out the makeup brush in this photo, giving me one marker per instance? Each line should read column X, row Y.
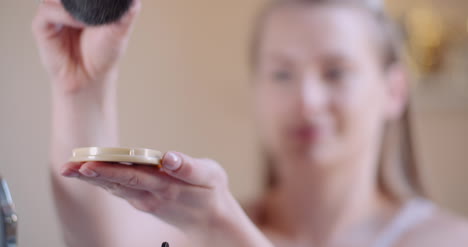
column 97, row 12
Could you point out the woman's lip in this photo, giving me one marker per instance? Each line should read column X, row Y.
column 306, row 133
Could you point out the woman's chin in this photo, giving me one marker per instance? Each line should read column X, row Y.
column 316, row 156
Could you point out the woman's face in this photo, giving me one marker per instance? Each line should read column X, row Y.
column 321, row 91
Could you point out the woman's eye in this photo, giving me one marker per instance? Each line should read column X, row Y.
column 335, row 75
column 282, row 76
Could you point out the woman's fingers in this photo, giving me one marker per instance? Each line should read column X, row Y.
column 72, row 169
column 52, row 28
column 119, row 31
column 199, row 172
column 178, row 169
column 50, row 18
column 118, row 190
column 146, row 178
column 127, row 19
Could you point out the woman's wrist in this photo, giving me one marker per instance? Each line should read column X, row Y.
column 93, row 99
column 79, row 86
column 98, row 92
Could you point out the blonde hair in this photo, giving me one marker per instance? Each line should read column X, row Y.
column 397, row 172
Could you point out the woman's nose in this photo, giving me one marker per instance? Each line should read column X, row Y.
column 312, row 96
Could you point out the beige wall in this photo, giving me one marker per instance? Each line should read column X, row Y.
column 183, row 86
column 442, row 140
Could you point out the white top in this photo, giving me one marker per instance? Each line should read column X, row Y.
column 412, row 214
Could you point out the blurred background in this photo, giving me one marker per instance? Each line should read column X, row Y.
column 184, row 85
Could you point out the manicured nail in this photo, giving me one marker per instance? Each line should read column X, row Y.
column 172, row 161
column 70, row 173
column 88, row 172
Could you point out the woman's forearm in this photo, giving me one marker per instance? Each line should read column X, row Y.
column 81, row 119
column 86, row 118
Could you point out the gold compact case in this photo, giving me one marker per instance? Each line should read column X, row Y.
column 128, row 156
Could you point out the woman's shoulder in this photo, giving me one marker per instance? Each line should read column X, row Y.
column 439, row 230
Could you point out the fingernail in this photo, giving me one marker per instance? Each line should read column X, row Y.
column 172, row 161
column 70, row 173
column 88, row 172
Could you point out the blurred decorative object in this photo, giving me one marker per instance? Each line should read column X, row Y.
column 437, row 34
column 8, row 218
column 426, row 37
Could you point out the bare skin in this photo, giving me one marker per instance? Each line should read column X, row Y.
column 322, row 96
column 324, row 131
column 187, row 200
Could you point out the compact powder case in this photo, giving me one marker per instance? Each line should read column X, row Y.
column 128, row 156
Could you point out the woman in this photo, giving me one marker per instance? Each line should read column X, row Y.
column 328, row 84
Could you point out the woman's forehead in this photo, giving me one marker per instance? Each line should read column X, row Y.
column 299, row 30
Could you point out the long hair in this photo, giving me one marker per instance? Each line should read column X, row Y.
column 398, row 176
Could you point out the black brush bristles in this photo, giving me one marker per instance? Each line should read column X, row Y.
column 97, row 12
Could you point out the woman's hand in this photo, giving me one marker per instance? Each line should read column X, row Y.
column 190, row 194
column 74, row 55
